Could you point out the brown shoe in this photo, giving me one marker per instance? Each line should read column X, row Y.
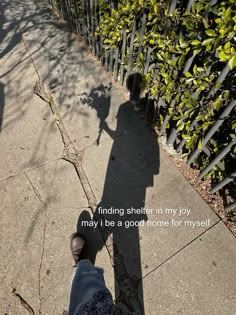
column 77, row 246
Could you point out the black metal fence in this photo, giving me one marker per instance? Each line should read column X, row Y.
column 84, row 17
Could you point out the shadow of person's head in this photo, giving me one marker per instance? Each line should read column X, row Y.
column 135, row 85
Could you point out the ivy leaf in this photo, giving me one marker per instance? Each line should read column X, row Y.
column 207, row 41
column 205, row 125
column 217, row 104
column 189, row 105
column 196, row 51
column 223, row 56
column 164, row 74
column 206, row 25
column 172, row 62
column 155, row 8
column 183, row 45
column 186, row 136
column 213, row 142
column 141, row 56
column 189, row 80
column 147, row 76
column 199, row 7
column 179, row 122
column 181, row 61
column 187, row 74
column 227, row 48
column 195, row 42
column 223, row 30
column 181, row 127
column 159, row 57
column 234, row 126
column 211, row 33
column 227, row 14
column 170, row 111
column 232, row 62
column 200, row 145
column 200, row 117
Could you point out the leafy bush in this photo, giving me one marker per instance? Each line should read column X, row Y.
column 195, row 98
column 192, row 63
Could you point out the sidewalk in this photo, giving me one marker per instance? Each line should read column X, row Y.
column 179, row 259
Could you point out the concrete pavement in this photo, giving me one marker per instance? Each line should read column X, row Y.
column 89, row 148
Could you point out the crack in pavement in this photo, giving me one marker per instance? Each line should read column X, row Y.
column 24, row 303
column 28, row 170
column 35, row 191
column 71, row 154
column 43, row 241
column 128, row 285
column 181, row 249
column 46, row 206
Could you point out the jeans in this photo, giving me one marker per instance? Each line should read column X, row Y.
column 86, row 281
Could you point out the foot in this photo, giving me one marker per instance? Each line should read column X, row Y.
column 77, row 246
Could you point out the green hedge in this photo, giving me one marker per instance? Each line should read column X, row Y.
column 208, row 35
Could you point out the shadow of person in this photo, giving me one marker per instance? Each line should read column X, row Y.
column 133, row 162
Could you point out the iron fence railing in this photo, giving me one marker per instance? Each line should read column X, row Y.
column 84, row 16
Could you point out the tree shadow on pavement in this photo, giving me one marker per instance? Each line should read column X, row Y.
column 28, row 30
column 2, row 103
column 133, row 162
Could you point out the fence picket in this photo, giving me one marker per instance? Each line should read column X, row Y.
column 224, row 182
column 84, row 25
column 217, row 159
column 172, row 6
column 230, row 207
column 111, row 62
column 92, row 28
column 123, row 57
column 116, row 64
column 87, row 9
column 77, row 22
column 148, row 58
column 190, row 3
column 131, row 47
column 98, row 47
column 106, row 58
column 213, row 129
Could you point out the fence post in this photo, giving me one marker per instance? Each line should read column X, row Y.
column 227, row 180
column 116, row 64
column 230, row 207
column 217, row 159
column 123, row 57
column 131, row 48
